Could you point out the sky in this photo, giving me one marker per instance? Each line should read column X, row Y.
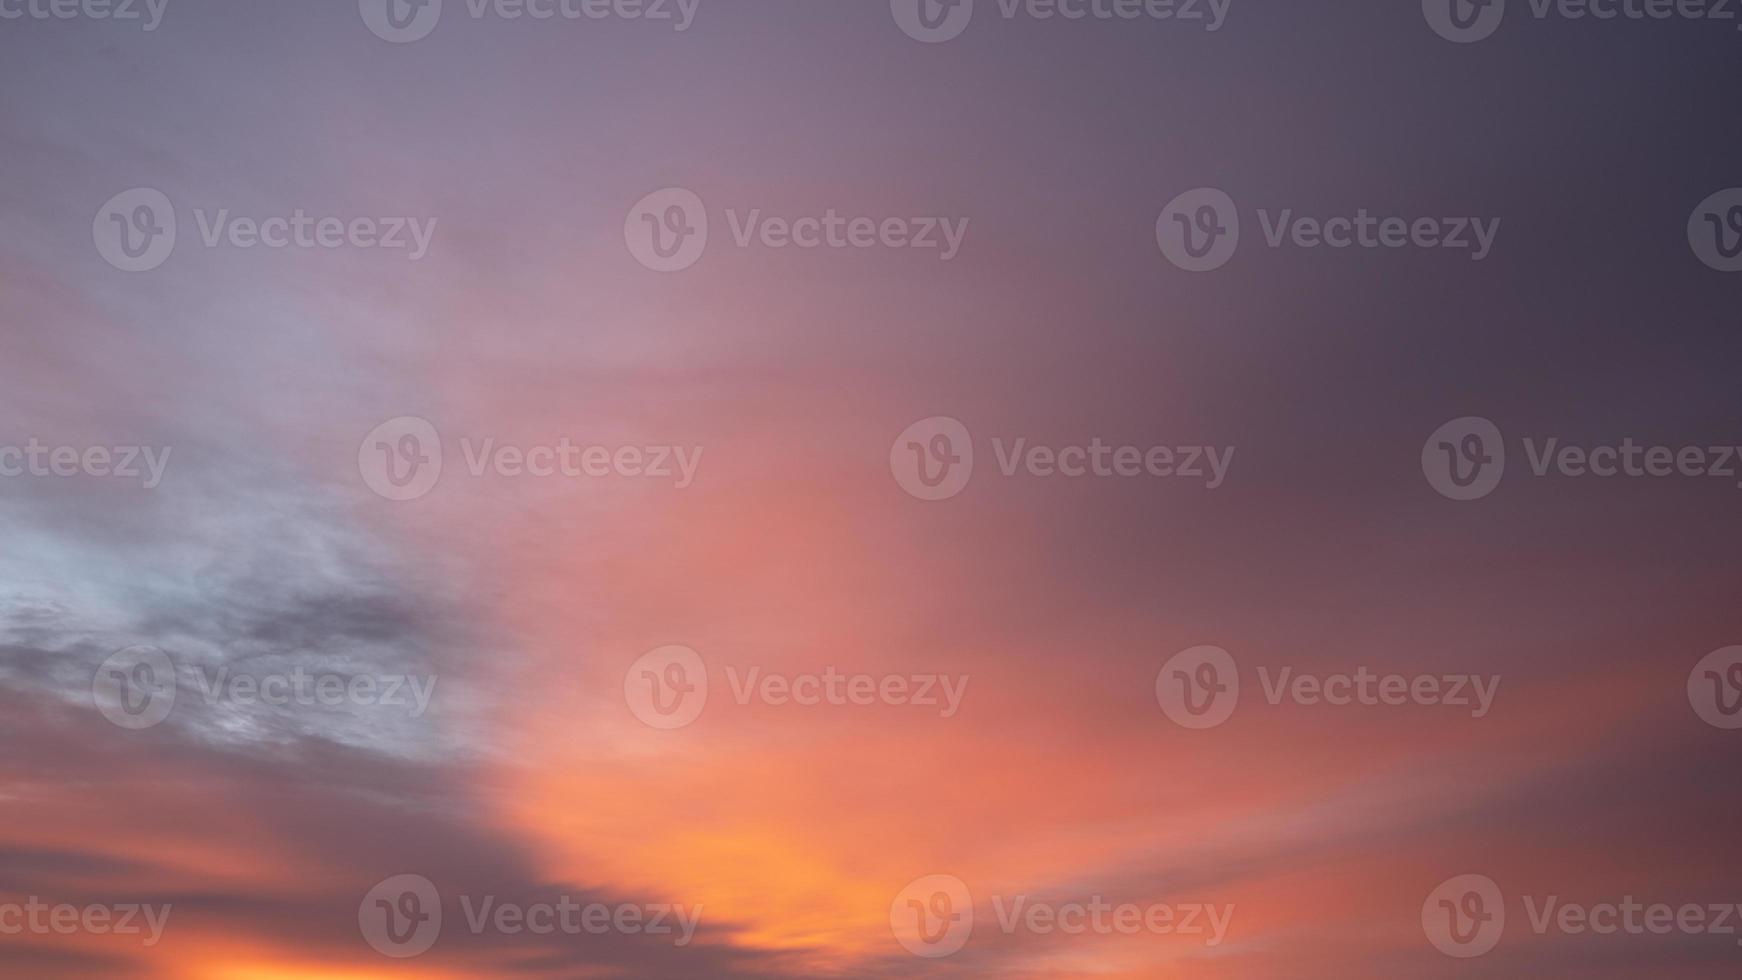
column 1216, row 491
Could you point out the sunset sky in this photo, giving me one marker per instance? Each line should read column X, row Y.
column 779, row 536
